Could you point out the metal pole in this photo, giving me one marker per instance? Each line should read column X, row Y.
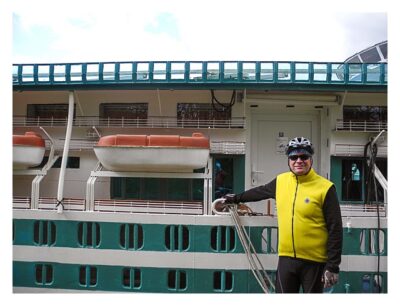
column 60, row 192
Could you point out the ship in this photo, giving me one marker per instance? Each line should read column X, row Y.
column 120, row 166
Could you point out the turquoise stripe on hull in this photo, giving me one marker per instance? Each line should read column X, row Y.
column 163, row 280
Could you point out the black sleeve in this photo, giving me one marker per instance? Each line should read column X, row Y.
column 333, row 219
column 255, row 194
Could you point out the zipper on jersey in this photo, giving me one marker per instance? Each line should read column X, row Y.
column 293, row 206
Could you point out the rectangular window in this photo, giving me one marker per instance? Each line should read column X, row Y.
column 188, row 114
column 352, row 180
column 124, row 110
column 348, row 175
column 73, row 162
column 157, row 189
column 365, row 113
column 48, row 111
column 223, row 176
column 228, row 174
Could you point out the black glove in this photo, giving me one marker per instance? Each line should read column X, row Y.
column 231, row 198
column 330, row 278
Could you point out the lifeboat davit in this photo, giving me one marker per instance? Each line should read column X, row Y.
column 155, row 153
column 28, row 150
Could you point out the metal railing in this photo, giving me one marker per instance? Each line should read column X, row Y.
column 360, row 126
column 362, row 210
column 117, row 206
column 209, row 72
column 149, row 207
column 356, row 150
column 150, row 122
column 46, row 203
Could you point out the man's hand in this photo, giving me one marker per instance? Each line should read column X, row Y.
column 230, row 198
column 329, row 278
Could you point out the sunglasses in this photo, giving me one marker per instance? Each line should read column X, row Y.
column 302, row 157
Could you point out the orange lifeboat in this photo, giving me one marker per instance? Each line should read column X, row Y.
column 155, row 153
column 28, row 150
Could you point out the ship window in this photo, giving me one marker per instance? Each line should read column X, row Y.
column 212, row 70
column 223, row 238
column 269, row 240
column 159, row 189
column 123, row 110
column 320, row 72
column 45, row 114
column 143, row 72
column 195, row 71
column 43, row 73
column 284, row 71
column 383, row 49
column 131, row 278
column 352, row 180
column 160, row 71
column 88, row 234
column 177, row 71
column 27, row 73
column 372, row 243
column 92, row 72
column 177, row 238
column 223, row 176
column 201, row 114
column 59, row 73
column 73, row 162
column 230, row 71
column 249, row 71
column 348, row 176
column 76, row 73
column 131, row 236
column 302, row 71
column 266, row 71
column 44, row 233
column 43, row 274
column 365, row 113
column 222, row 281
column 125, row 71
column 88, row 276
column 177, row 280
column 109, row 72
column 370, row 56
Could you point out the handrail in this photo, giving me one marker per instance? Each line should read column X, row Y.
column 209, row 72
column 150, row 122
column 360, row 125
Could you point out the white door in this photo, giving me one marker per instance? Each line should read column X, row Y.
column 269, row 135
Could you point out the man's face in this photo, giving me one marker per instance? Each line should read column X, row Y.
column 300, row 164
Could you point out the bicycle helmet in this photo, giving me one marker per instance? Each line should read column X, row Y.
column 299, row 145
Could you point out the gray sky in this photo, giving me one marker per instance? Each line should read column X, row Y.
column 81, row 31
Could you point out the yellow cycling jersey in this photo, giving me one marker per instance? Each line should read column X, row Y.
column 302, row 228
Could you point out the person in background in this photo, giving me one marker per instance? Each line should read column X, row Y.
column 309, row 222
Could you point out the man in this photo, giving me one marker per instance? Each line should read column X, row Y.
column 309, row 222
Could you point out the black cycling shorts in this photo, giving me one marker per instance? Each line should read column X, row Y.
column 293, row 274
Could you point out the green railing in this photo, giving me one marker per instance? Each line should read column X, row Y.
column 200, row 72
